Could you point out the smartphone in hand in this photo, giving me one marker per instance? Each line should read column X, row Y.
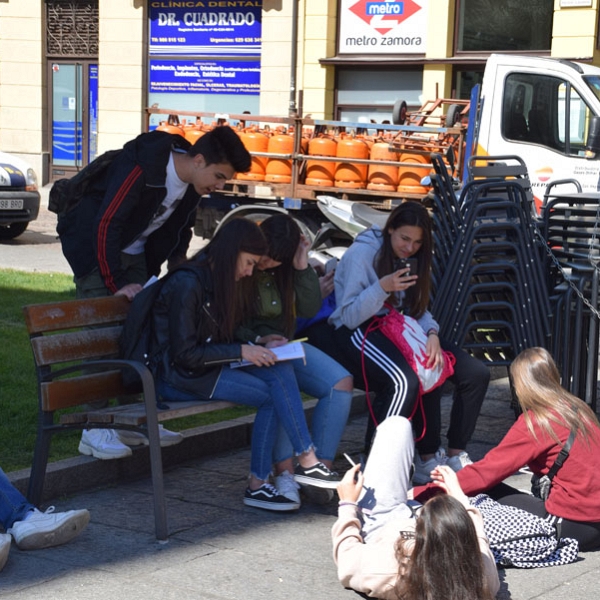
column 407, row 263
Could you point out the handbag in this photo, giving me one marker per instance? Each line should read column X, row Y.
column 520, row 539
column 408, row 336
column 541, row 485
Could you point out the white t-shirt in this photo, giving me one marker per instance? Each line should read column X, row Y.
column 176, row 189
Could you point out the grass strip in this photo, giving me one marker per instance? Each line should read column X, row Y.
column 18, row 385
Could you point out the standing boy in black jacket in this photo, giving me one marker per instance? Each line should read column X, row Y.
column 137, row 215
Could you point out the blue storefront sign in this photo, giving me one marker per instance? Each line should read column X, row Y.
column 205, row 76
column 93, row 113
column 210, row 27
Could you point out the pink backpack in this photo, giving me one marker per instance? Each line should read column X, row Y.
column 408, row 336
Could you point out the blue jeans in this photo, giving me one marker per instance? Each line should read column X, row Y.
column 274, row 392
column 13, row 505
column 317, row 378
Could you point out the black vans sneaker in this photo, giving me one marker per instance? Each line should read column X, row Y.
column 267, row 497
column 318, row 476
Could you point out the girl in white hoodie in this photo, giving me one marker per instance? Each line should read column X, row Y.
column 368, row 277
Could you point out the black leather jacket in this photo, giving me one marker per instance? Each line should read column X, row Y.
column 182, row 329
column 119, row 207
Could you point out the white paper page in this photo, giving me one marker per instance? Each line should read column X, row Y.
column 286, row 352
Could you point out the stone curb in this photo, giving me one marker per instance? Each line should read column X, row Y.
column 81, row 473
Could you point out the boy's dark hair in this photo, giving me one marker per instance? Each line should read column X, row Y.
column 223, row 144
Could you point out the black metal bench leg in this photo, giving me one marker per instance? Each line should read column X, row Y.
column 40, row 460
column 158, row 487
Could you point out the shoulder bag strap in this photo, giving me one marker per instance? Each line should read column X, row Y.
column 562, row 455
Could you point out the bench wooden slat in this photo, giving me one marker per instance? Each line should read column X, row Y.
column 84, row 344
column 66, row 393
column 54, row 316
column 135, row 414
column 74, row 418
column 100, row 415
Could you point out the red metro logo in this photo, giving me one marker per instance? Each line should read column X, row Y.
column 379, row 14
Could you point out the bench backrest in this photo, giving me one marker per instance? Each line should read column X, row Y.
column 67, row 336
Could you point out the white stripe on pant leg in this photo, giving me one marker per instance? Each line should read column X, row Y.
column 389, row 367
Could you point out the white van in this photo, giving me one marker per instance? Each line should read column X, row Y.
column 547, row 111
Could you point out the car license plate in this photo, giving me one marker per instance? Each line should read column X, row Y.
column 12, row 204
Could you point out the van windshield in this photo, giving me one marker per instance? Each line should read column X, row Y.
column 593, row 82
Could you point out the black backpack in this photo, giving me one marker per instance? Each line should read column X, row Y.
column 136, row 336
column 66, row 194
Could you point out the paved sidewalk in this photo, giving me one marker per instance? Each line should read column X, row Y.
column 221, row 550
column 38, row 249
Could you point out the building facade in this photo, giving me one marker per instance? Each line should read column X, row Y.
column 77, row 76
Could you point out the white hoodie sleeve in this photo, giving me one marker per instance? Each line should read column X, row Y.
column 358, row 293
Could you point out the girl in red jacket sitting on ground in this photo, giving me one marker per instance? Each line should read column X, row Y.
column 550, row 413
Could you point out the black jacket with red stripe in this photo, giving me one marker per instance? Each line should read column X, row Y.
column 119, row 207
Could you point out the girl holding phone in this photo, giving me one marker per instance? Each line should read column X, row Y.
column 366, row 281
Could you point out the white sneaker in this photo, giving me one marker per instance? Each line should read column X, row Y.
column 46, row 529
column 422, row 474
column 456, row 463
column 286, row 486
column 5, row 541
column 103, row 443
column 134, row 438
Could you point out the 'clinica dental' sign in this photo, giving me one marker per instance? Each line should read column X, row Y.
column 205, row 28
column 385, row 27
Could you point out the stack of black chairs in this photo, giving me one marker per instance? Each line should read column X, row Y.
column 570, row 231
column 490, row 294
column 505, row 279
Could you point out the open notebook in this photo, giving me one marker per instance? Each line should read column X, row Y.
column 286, row 352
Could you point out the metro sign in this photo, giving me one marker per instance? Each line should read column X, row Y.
column 379, row 14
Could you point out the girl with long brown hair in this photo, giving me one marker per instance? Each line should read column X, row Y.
column 287, row 287
column 194, row 319
column 550, row 415
column 371, row 277
column 386, row 547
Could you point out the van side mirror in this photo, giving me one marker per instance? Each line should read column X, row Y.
column 592, row 144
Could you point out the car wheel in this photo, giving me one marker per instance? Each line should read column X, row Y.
column 12, row 230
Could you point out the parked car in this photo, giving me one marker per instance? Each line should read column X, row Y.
column 19, row 196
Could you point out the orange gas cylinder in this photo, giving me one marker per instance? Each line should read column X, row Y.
column 304, row 141
column 171, row 125
column 321, row 173
column 348, row 174
column 409, row 177
column 279, row 170
column 255, row 141
column 382, row 177
column 193, row 133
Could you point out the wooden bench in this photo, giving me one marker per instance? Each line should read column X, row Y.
column 75, row 348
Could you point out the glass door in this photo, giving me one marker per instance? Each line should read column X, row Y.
column 74, row 104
